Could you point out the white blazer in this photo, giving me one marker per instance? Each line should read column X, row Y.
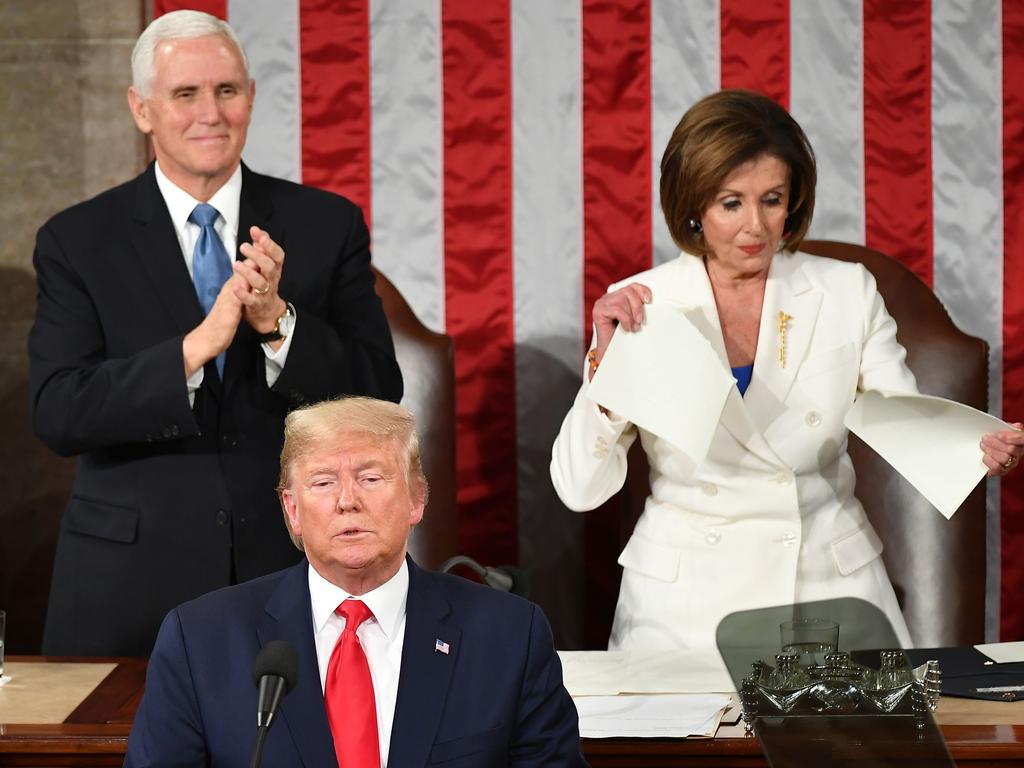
column 768, row 517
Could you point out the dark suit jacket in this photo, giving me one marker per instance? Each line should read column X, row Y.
column 496, row 699
column 172, row 501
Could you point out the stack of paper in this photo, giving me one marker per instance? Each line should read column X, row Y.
column 659, row 694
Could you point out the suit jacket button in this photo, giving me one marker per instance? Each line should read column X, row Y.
column 713, row 536
column 813, row 419
column 222, row 517
column 709, row 489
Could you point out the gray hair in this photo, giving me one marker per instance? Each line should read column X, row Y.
column 177, row 25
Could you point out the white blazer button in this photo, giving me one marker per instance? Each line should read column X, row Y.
column 713, row 536
column 789, row 539
column 710, row 489
column 813, row 419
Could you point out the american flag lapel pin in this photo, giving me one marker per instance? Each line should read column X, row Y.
column 440, row 646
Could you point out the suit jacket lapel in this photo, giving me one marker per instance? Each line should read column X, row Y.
column 288, row 617
column 693, row 290
column 788, row 292
column 255, row 209
column 159, row 253
column 426, row 672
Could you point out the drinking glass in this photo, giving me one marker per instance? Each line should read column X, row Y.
column 812, row 638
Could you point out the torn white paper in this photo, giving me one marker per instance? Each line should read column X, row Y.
column 665, row 378
column 932, row 442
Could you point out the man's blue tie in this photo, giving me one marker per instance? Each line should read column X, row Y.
column 211, row 266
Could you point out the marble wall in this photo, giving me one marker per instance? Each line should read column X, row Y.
column 67, row 135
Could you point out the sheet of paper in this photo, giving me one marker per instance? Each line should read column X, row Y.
column 1003, row 653
column 666, row 716
column 665, row 378
column 932, row 442
column 607, row 673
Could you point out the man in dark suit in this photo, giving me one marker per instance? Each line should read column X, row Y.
column 168, row 366
column 439, row 670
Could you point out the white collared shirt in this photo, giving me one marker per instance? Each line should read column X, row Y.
column 381, row 637
column 227, row 201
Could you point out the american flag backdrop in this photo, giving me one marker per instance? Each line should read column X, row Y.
column 506, row 151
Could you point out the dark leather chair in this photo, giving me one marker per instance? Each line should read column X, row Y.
column 937, row 566
column 427, row 360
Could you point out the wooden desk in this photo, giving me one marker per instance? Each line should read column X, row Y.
column 96, row 734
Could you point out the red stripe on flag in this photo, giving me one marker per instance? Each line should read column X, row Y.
column 616, row 218
column 755, row 46
column 1012, row 490
column 477, row 96
column 897, row 131
column 218, row 8
column 616, row 144
column 335, row 59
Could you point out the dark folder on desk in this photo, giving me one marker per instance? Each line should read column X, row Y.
column 966, row 669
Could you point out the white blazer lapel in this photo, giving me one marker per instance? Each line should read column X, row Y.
column 790, row 295
column 693, row 291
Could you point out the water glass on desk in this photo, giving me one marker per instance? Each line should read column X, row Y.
column 812, row 638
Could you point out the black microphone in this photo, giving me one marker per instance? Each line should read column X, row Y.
column 275, row 673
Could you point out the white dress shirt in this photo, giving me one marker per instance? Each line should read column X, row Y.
column 381, row 637
column 227, row 201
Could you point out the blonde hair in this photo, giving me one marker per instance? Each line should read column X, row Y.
column 308, row 429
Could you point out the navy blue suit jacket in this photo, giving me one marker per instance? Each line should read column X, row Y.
column 496, row 699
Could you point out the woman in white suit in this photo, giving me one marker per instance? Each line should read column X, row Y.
column 768, row 516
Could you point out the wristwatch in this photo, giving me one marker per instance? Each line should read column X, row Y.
column 282, row 328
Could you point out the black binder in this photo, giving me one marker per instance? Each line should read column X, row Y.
column 970, row 674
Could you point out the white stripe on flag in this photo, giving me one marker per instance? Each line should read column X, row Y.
column 826, row 98
column 967, row 200
column 269, row 30
column 684, row 67
column 405, row 92
column 548, row 273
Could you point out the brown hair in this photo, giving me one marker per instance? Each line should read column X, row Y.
column 314, row 427
column 716, row 135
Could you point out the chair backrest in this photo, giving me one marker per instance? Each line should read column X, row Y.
column 427, row 360
column 936, row 566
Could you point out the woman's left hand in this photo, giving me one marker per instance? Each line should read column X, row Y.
column 1003, row 450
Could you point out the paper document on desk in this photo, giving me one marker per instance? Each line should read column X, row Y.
column 607, row 673
column 664, row 716
column 1003, row 653
column 932, row 442
column 665, row 378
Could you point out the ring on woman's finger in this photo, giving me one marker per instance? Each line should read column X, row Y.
column 1010, row 462
column 265, row 290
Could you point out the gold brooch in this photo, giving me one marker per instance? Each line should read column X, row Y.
column 783, row 325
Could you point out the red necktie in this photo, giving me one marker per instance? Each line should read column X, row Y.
column 348, row 694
